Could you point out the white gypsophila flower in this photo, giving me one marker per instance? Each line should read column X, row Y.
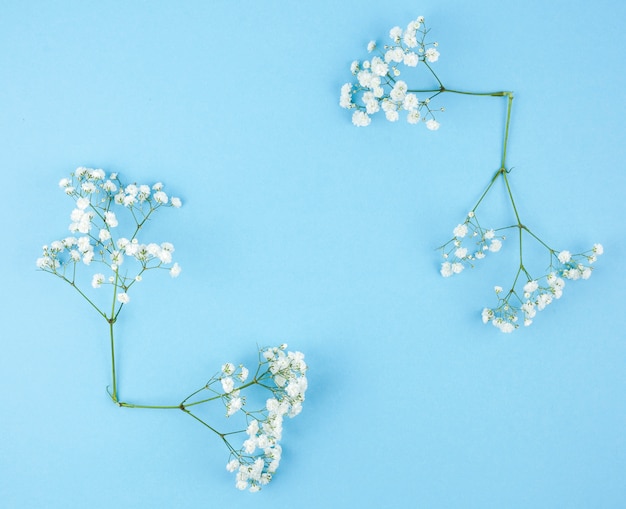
column 531, row 286
column 495, row 245
column 161, row 197
column 123, row 298
column 57, row 245
column 460, row 252
column 371, row 46
column 110, row 219
column 153, row 249
column 410, row 40
column 88, row 257
column 432, row 124
column 413, row 26
column 104, row 235
column 432, row 55
column 413, row 117
column 77, row 215
column 97, row 174
column 165, row 256
column 394, row 55
column 410, row 102
column 175, row 270
column 446, row 269
column 365, row 78
column 411, row 59
column 564, row 256
column 228, row 384
column 158, row 186
column 457, row 267
column 379, row 67
column 361, row 119
column 97, row 281
column 460, row 230
column 82, row 203
column 395, row 34
column 506, row 327
column 228, row 368
column 398, row 91
column 598, row 249
column 232, row 465
column 88, row 187
column 175, row 202
column 117, row 257
column 64, row 182
column 487, row 315
column 45, row 262
column 243, row 374
column 392, row 115
column 167, row 246
column 233, row 406
column 109, row 186
column 489, row 234
column 372, row 107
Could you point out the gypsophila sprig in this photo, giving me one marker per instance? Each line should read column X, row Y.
column 110, row 251
column 106, row 225
column 527, row 295
column 379, row 87
column 281, row 375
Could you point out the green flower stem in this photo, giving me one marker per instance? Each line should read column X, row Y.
column 506, row 128
column 493, row 180
column 73, row 285
column 433, row 72
column 141, row 223
column 151, row 407
column 508, row 188
column 221, row 435
column 183, row 404
column 213, row 398
column 112, row 321
column 552, row 251
column 501, row 93
column 113, row 376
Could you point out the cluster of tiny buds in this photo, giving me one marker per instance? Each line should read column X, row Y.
column 470, row 242
column 537, row 294
column 377, row 87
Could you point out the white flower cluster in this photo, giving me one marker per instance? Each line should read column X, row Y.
column 230, row 395
column 260, row 454
column 471, row 242
column 378, row 87
column 94, row 226
column 537, row 294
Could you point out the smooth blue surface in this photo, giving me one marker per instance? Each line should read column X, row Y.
column 299, row 228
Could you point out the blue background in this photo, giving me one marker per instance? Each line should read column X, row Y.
column 298, row 227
